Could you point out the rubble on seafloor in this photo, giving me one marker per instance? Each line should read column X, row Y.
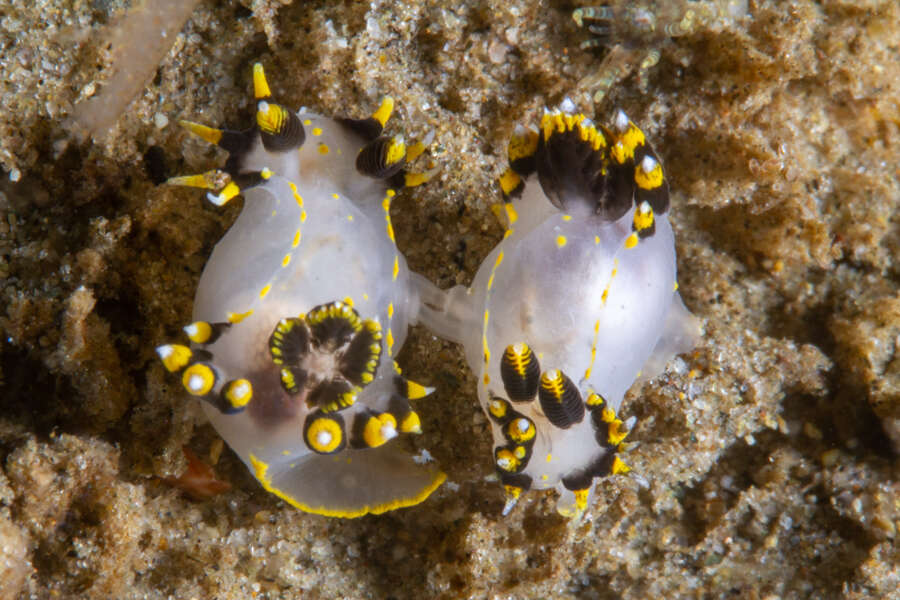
column 769, row 452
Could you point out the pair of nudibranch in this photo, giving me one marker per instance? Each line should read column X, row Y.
column 306, row 300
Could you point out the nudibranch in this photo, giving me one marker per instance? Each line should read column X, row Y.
column 577, row 302
column 302, row 307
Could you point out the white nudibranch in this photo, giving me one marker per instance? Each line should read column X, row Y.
column 574, row 304
column 302, row 307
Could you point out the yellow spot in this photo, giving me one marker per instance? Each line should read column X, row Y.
column 296, row 241
column 390, row 310
column 411, row 423
column 618, row 153
column 209, row 134
column 587, row 372
column 384, row 111
column 317, row 131
column 675, row 286
column 631, row 241
column 651, row 180
column 260, row 85
column 607, row 414
column 629, row 141
column 507, row 460
column 391, row 193
column 390, row 231
column 414, row 179
column 522, row 146
column 643, row 217
column 324, row 149
column 230, row 191
column 509, row 181
column 349, row 217
column 378, row 430
column 307, row 122
column 594, row 399
column 414, row 151
column 416, row 391
column 549, row 457
column 264, row 292
column 286, row 260
column 581, row 498
column 396, row 268
column 389, row 339
column 335, row 196
column 271, row 117
column 239, row 392
column 238, row 317
column 396, row 151
column 544, row 478
column 365, row 296
column 567, row 218
column 615, row 434
column 596, row 239
column 561, row 240
column 199, row 332
column 205, row 181
column 297, row 196
column 198, row 379
column 618, row 467
column 511, row 213
column 348, row 301
column 174, row 356
column 324, row 435
column 303, row 216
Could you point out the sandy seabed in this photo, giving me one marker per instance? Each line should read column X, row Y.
column 770, row 451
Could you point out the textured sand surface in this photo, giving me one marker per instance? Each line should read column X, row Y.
column 770, row 451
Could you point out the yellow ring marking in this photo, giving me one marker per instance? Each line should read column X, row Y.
column 324, row 435
column 198, row 379
column 239, row 393
column 199, row 332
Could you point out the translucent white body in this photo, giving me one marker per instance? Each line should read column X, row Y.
column 567, row 286
column 345, row 253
